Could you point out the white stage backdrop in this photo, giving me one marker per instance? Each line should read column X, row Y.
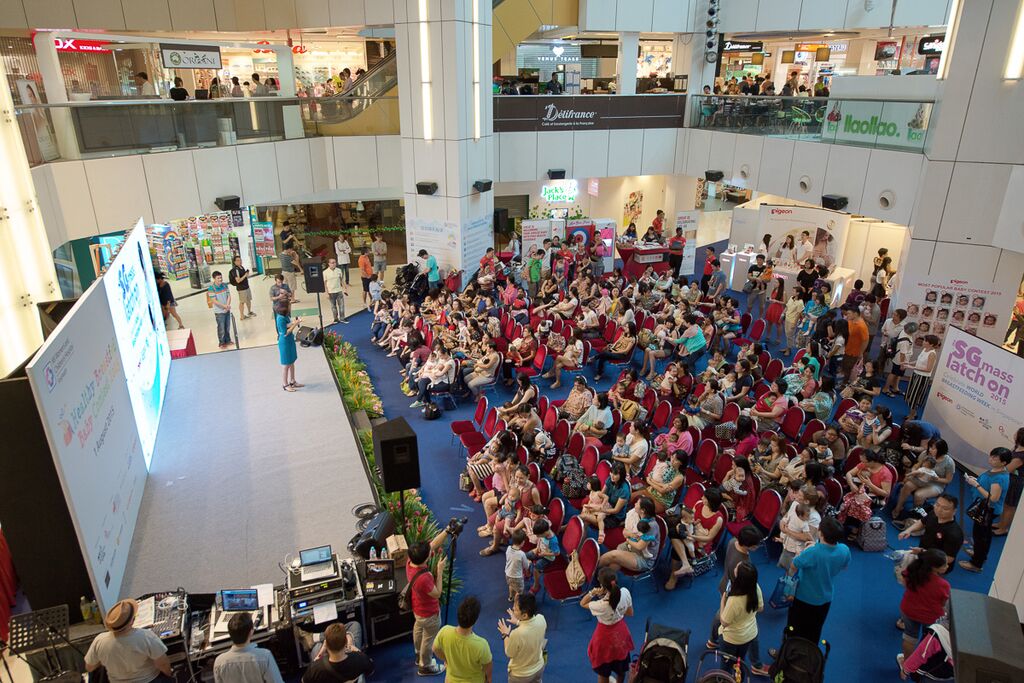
column 976, row 397
column 828, row 229
column 79, row 385
column 141, row 337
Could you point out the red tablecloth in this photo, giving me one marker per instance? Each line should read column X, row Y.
column 8, row 585
column 182, row 343
column 633, row 269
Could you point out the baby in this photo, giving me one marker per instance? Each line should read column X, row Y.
column 686, row 530
column 620, row 449
column 798, row 520
column 597, row 505
column 925, row 474
column 658, row 471
column 733, row 486
column 509, row 504
column 668, row 380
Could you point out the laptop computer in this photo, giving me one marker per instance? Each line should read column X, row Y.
column 317, row 564
column 234, row 601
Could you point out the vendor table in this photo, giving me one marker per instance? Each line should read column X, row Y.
column 182, row 343
column 636, row 259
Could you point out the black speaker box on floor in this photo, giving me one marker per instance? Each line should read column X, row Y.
column 375, row 535
column 310, row 336
column 394, row 443
column 228, row 203
column 501, row 220
column 386, row 621
column 987, row 643
column 313, row 272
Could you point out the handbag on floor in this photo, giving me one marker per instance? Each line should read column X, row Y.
column 871, row 538
column 702, row 565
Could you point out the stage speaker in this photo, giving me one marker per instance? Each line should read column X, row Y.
column 313, row 272
column 501, row 220
column 426, row 188
column 375, row 535
column 836, row 202
column 310, row 336
column 228, row 202
column 713, row 176
column 386, row 621
column 394, row 444
column 987, row 643
column 482, row 185
column 556, row 173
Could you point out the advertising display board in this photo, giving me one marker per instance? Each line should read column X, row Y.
column 687, row 221
column 141, row 337
column 975, row 398
column 939, row 304
column 476, row 236
column 190, row 56
column 536, row 231
column 828, row 230
column 80, row 388
column 886, row 124
column 439, row 238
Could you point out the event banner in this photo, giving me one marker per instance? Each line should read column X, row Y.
column 687, row 222
column 141, row 337
column 827, row 232
column 976, row 396
column 477, row 235
column 79, row 384
column 885, row 124
column 439, row 238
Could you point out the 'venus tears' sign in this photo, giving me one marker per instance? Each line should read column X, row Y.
column 553, row 117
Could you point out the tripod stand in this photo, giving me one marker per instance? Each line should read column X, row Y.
column 454, row 529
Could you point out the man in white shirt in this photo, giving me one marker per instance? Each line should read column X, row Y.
column 903, row 352
column 335, row 290
column 805, row 249
column 146, row 88
column 524, row 644
column 129, row 654
column 244, row 662
column 343, row 250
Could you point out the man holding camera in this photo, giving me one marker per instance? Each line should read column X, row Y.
column 424, row 591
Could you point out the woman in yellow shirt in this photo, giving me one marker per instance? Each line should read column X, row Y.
column 738, row 615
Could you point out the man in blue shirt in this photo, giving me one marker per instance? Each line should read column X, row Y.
column 818, row 566
column 429, row 266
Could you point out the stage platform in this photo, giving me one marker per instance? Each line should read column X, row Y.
column 244, row 474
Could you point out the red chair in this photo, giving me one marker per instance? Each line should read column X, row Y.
column 698, row 390
column 539, row 361
column 694, row 435
column 570, row 541
column 523, row 455
column 606, row 338
column 799, row 354
column 661, row 414
column 792, row 422
column 834, row 490
column 812, row 428
column 460, row 427
column 766, row 514
column 722, row 466
column 693, row 495
column 589, row 461
column 550, row 418
column 534, row 472
column 773, row 370
column 576, row 444
column 475, row 440
column 852, row 459
column 556, row 514
column 556, row 585
column 745, row 321
column 756, row 332
column 649, row 323
column 604, row 470
column 544, row 489
column 561, row 435
column 649, row 400
column 843, row 406
column 763, row 360
column 731, row 412
column 707, row 453
column 542, row 405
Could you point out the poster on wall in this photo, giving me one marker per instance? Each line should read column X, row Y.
column 79, row 384
column 41, row 132
column 887, row 124
column 975, row 398
column 632, row 209
column 687, row 222
column 826, row 240
column 141, row 337
column 580, row 229
column 439, row 238
column 938, row 305
column 477, row 236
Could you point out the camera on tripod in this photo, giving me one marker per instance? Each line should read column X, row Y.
column 456, row 525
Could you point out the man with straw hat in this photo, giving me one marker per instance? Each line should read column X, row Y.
column 129, row 654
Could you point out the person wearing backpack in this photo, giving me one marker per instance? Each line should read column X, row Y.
column 422, row 595
column 818, row 567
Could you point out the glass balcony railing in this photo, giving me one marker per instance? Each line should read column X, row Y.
column 85, row 130
column 900, row 125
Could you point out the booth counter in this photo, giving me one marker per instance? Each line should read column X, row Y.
column 636, row 258
column 841, row 280
column 735, row 266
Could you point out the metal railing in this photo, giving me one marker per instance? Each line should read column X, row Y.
column 890, row 124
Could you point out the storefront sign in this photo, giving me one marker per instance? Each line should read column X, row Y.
column 741, row 46
column 560, row 192
column 888, row 124
column 836, row 47
column 188, row 57
column 587, row 112
column 79, row 45
column 975, row 398
column 553, row 116
column 931, row 45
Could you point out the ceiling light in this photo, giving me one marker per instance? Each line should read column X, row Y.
column 1015, row 59
column 952, row 22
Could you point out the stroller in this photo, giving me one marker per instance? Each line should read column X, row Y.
column 405, row 276
column 799, row 661
column 724, row 669
column 663, row 656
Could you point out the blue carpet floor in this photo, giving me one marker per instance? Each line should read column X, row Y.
column 860, row 626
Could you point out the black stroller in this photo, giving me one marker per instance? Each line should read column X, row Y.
column 663, row 656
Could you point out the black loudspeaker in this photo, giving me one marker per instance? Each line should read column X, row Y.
column 836, row 202
column 482, row 185
column 228, row 203
column 987, row 643
column 556, row 173
column 386, row 621
column 394, row 443
column 310, row 336
column 713, row 176
column 501, row 220
column 375, row 535
column 313, row 272
column 426, row 188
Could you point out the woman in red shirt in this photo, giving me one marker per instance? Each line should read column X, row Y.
column 926, row 596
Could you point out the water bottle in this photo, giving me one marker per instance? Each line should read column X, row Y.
column 373, row 552
column 895, row 555
column 383, row 553
column 96, row 619
column 86, row 609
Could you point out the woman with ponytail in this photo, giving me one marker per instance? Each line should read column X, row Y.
column 611, row 645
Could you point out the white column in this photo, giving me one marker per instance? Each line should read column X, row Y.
column 26, row 262
column 56, row 93
column 292, row 114
column 444, row 81
column 629, row 44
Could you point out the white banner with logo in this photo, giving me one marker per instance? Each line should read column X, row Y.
column 687, row 221
column 476, row 237
column 190, row 56
column 536, row 231
column 439, row 238
column 885, row 124
column 826, row 235
column 975, row 399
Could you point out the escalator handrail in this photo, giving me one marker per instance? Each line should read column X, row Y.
column 387, row 61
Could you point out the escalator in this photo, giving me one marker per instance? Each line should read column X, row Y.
column 369, row 107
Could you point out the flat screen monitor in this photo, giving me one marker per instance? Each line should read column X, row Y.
column 315, row 555
column 240, row 600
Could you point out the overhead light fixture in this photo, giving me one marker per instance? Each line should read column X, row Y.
column 788, row 56
column 476, row 69
column 952, row 23
column 359, row 206
column 1015, row 59
column 425, row 87
column 757, row 58
column 822, row 54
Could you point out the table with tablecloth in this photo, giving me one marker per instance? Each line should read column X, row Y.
column 182, row 343
column 636, row 259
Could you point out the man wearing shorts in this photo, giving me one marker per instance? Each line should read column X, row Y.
column 365, row 272
column 380, row 254
column 238, row 276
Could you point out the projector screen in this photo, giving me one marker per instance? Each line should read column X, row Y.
column 79, row 385
column 141, row 338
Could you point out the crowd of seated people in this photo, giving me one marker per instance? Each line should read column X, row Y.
column 702, row 432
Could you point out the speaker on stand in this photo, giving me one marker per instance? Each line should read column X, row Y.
column 313, row 274
column 397, row 453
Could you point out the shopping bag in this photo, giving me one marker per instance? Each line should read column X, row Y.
column 785, row 590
